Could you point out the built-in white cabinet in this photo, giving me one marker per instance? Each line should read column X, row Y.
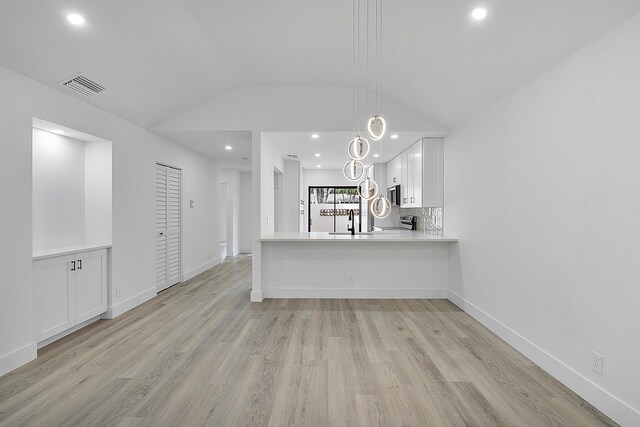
column 419, row 170
column 394, row 172
column 68, row 290
column 432, row 172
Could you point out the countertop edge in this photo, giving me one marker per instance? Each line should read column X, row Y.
column 372, row 239
column 52, row 253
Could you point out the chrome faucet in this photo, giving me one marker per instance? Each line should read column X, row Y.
column 352, row 218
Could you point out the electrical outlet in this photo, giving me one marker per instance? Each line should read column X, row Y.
column 350, row 278
column 118, row 292
column 597, row 362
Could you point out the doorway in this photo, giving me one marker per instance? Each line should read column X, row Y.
column 224, row 220
column 168, row 226
column 329, row 208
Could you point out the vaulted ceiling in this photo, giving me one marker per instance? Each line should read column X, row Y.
column 160, row 58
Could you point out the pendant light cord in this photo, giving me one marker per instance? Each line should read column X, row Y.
column 355, row 121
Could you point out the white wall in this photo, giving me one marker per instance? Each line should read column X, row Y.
column 270, row 160
column 231, row 208
column 236, row 207
column 200, row 183
column 225, row 212
column 58, row 190
column 135, row 152
column 282, row 109
column 244, row 231
column 542, row 191
column 355, row 269
column 98, row 194
column 292, row 192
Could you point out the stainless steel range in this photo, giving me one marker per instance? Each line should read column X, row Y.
column 409, row 222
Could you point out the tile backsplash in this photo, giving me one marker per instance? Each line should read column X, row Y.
column 430, row 220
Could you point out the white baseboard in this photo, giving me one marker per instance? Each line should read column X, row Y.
column 609, row 404
column 67, row 332
column 342, row 293
column 204, row 267
column 236, row 253
column 17, row 358
column 126, row 305
column 256, row 296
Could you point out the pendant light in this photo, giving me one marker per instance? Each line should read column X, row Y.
column 359, row 146
column 353, row 170
column 376, row 126
column 368, row 189
column 380, row 206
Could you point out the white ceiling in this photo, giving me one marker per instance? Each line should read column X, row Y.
column 151, row 55
column 332, row 147
column 159, row 58
column 212, row 143
column 65, row 131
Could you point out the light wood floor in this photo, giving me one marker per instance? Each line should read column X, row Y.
column 200, row 353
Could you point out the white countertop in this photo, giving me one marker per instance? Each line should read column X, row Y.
column 378, row 236
column 54, row 252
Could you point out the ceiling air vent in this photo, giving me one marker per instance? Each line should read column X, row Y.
column 292, row 156
column 83, row 85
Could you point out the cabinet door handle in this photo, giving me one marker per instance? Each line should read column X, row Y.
column 73, row 266
column 79, row 264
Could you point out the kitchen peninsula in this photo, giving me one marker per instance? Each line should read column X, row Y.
column 389, row 264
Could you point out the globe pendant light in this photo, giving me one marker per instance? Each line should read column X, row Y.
column 353, row 170
column 368, row 189
column 380, row 207
column 358, row 148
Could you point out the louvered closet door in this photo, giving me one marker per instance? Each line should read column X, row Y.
column 168, row 220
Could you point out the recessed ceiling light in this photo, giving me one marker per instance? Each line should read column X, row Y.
column 228, row 147
column 58, row 131
column 76, row 19
column 376, row 155
column 479, row 13
column 315, row 136
column 394, row 136
column 318, row 166
column 317, row 154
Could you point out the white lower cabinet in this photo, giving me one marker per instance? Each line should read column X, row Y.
column 68, row 290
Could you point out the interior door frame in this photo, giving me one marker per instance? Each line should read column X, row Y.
column 335, row 187
column 181, row 217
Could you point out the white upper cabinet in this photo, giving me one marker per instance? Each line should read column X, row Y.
column 415, row 171
column 404, row 181
column 419, row 170
column 394, row 172
column 433, row 172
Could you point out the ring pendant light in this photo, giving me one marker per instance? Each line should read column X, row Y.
column 353, row 170
column 368, row 189
column 380, row 206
